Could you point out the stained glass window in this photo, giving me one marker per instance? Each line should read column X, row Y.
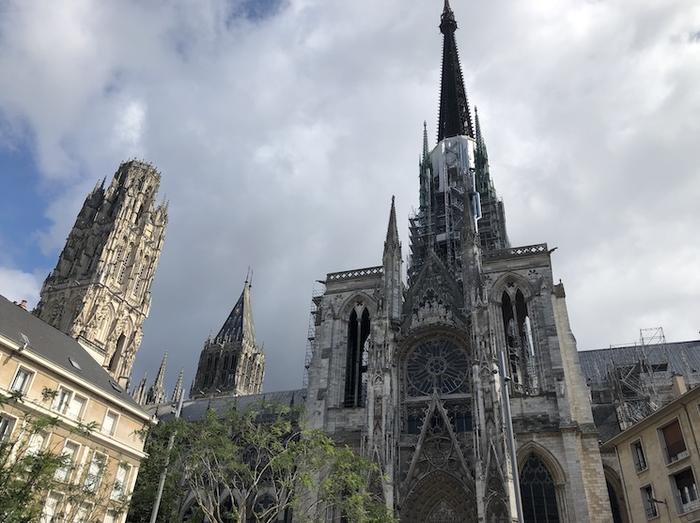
column 538, row 493
column 437, row 365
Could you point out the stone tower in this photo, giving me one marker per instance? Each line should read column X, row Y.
column 100, row 290
column 464, row 386
column 232, row 363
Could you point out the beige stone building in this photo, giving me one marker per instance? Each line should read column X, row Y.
column 658, row 460
column 57, row 378
column 100, row 290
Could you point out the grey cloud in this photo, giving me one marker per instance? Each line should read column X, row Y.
column 281, row 141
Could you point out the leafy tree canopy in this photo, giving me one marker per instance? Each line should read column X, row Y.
column 256, row 466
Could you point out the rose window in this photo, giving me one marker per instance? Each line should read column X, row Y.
column 437, row 365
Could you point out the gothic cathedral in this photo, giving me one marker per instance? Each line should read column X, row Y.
column 471, row 369
column 100, row 290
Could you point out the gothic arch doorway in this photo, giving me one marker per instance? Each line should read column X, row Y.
column 439, row 498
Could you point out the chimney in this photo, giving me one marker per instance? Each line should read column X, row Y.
column 679, row 385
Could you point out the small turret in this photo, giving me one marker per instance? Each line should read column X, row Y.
column 391, row 261
column 139, row 392
column 156, row 394
column 178, row 390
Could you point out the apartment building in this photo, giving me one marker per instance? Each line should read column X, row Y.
column 659, row 460
column 46, row 374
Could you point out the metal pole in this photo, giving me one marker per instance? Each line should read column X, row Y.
column 511, row 437
column 163, row 475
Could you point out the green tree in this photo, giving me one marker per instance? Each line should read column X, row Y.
column 254, row 466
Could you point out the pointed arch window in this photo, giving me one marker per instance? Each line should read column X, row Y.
column 357, row 354
column 117, row 355
column 538, row 492
column 520, row 343
column 141, row 278
column 124, row 264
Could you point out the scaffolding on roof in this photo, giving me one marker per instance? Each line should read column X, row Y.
column 632, row 383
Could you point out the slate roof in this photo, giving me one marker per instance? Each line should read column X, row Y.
column 682, row 357
column 239, row 323
column 193, row 410
column 57, row 347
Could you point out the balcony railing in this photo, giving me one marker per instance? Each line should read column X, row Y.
column 355, row 274
column 514, row 252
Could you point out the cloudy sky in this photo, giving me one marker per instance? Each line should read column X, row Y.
column 283, row 127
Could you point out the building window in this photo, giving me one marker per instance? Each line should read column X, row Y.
column 7, row 423
column 649, row 502
column 120, row 480
column 69, row 455
column 109, row 425
column 53, row 500
column 62, row 400
column 21, row 382
column 640, row 460
column 36, row 443
column 538, row 493
column 356, row 367
column 94, row 474
column 520, row 343
column 84, row 513
column 673, row 441
column 685, row 491
column 69, row 403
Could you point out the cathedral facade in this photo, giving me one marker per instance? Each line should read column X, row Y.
column 100, row 290
column 469, row 371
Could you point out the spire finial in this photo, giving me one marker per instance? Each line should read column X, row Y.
column 392, row 232
column 177, row 391
column 425, row 141
column 477, row 127
column 447, row 20
column 482, row 156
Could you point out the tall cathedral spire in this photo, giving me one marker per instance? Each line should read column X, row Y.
column 454, row 118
